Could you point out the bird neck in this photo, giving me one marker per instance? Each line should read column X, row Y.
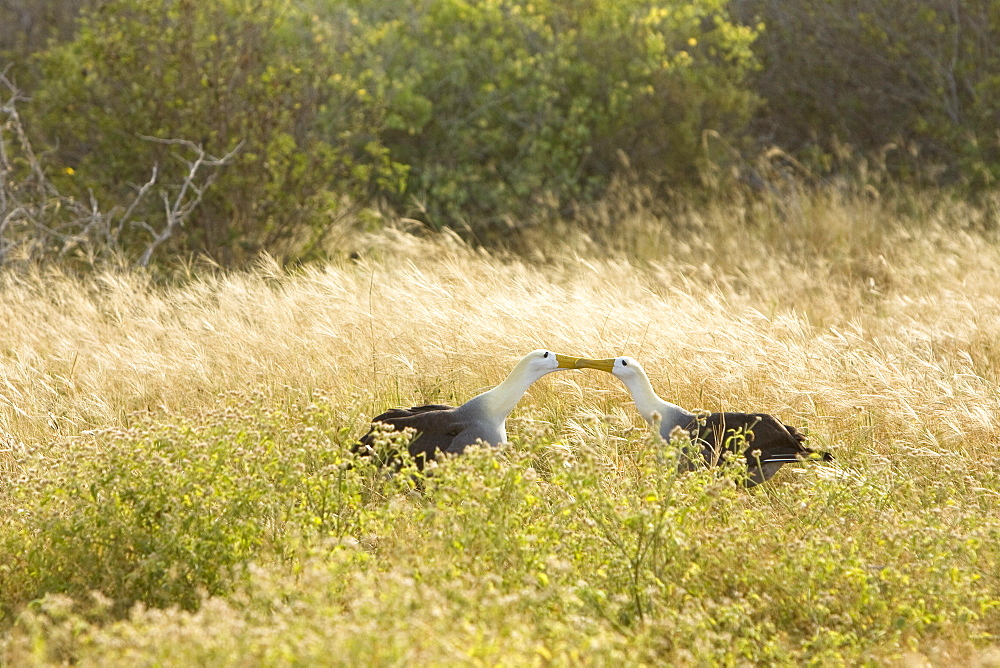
column 501, row 400
column 647, row 402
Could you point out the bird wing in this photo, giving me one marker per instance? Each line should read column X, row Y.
column 768, row 443
column 436, row 426
column 796, row 434
column 762, row 432
column 777, row 442
column 394, row 415
column 781, row 442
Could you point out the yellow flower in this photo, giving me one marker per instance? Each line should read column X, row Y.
column 693, row 42
column 70, row 171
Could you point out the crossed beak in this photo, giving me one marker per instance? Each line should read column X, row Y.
column 567, row 361
column 601, row 365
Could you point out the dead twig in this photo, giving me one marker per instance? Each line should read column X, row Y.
column 176, row 211
column 38, row 222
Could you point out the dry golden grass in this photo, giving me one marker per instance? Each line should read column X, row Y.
column 838, row 316
column 876, row 332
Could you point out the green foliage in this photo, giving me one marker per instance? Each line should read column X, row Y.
column 492, row 109
column 263, row 73
column 912, row 82
column 483, row 116
column 513, row 553
column 505, row 107
column 27, row 26
column 164, row 513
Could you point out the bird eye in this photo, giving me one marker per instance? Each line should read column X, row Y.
column 624, row 363
column 545, row 355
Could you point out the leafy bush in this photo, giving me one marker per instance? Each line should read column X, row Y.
column 485, row 115
column 504, row 107
column 915, row 80
column 164, row 513
column 534, row 550
column 40, row 223
column 27, row 26
column 494, row 109
column 264, row 73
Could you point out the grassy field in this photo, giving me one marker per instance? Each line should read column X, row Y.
column 176, row 488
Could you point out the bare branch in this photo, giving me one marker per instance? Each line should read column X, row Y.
column 178, row 210
column 135, row 202
column 38, row 222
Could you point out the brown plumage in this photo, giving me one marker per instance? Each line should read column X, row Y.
column 764, row 441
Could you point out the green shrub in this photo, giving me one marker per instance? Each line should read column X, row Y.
column 504, row 107
column 482, row 115
column 494, row 109
column 27, row 26
column 913, row 81
column 535, row 548
column 165, row 513
column 262, row 72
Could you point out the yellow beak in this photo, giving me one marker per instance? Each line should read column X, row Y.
column 567, row 362
column 601, row 365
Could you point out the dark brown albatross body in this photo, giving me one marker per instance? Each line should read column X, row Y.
column 764, row 441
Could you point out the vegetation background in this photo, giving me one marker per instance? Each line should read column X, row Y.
column 489, row 118
column 231, row 232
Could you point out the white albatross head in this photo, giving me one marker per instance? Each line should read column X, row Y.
column 539, row 362
column 634, row 378
column 500, row 401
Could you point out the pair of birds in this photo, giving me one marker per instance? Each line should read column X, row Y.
column 763, row 440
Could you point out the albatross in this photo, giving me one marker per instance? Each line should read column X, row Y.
column 769, row 443
column 448, row 429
